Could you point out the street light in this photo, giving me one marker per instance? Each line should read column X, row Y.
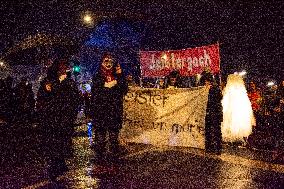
column 88, row 18
column 1, row 63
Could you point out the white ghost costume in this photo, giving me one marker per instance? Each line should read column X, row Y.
column 238, row 116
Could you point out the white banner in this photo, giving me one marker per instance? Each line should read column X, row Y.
column 174, row 117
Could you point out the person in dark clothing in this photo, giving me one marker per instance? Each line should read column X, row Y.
column 24, row 98
column 10, row 99
column 278, row 155
column 280, row 93
column 173, row 80
column 57, row 107
column 272, row 109
column 68, row 100
column 214, row 115
column 86, row 98
column 3, row 102
column 108, row 90
column 50, row 129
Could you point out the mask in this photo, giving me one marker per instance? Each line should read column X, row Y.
column 107, row 63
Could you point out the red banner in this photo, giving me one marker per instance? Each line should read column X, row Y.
column 187, row 61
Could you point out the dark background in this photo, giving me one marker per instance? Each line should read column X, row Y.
column 250, row 33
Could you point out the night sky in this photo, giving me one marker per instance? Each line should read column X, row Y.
column 250, row 33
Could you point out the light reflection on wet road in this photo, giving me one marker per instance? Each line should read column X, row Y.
column 154, row 167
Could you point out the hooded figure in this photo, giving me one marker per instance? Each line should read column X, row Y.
column 109, row 88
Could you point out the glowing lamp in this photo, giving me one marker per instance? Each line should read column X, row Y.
column 87, row 18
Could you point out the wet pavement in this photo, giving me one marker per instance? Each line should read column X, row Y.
column 146, row 166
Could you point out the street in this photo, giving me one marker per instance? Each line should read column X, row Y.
column 146, row 166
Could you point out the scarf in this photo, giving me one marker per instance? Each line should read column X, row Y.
column 107, row 75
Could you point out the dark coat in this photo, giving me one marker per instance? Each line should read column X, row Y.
column 107, row 103
column 49, row 129
column 67, row 101
column 57, row 111
column 24, row 98
column 45, row 105
column 214, row 105
column 213, row 119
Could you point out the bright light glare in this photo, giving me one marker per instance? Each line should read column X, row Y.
column 1, row 63
column 270, row 83
column 243, row 73
column 87, row 18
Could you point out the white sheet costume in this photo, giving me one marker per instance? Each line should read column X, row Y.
column 237, row 111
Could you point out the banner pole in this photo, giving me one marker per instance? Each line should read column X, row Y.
column 220, row 75
column 140, row 78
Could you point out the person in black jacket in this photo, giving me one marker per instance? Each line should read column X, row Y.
column 214, row 115
column 24, row 98
column 108, row 90
column 57, row 105
column 50, row 130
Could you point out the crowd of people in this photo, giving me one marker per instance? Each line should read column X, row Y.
column 267, row 104
column 54, row 110
column 55, row 107
column 16, row 103
column 58, row 100
column 268, row 109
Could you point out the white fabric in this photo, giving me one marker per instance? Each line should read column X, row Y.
column 174, row 117
column 237, row 111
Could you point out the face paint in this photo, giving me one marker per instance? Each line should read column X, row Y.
column 48, row 87
column 107, row 63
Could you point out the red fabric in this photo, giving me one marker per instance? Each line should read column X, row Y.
column 255, row 99
column 108, row 74
column 62, row 67
column 187, row 61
